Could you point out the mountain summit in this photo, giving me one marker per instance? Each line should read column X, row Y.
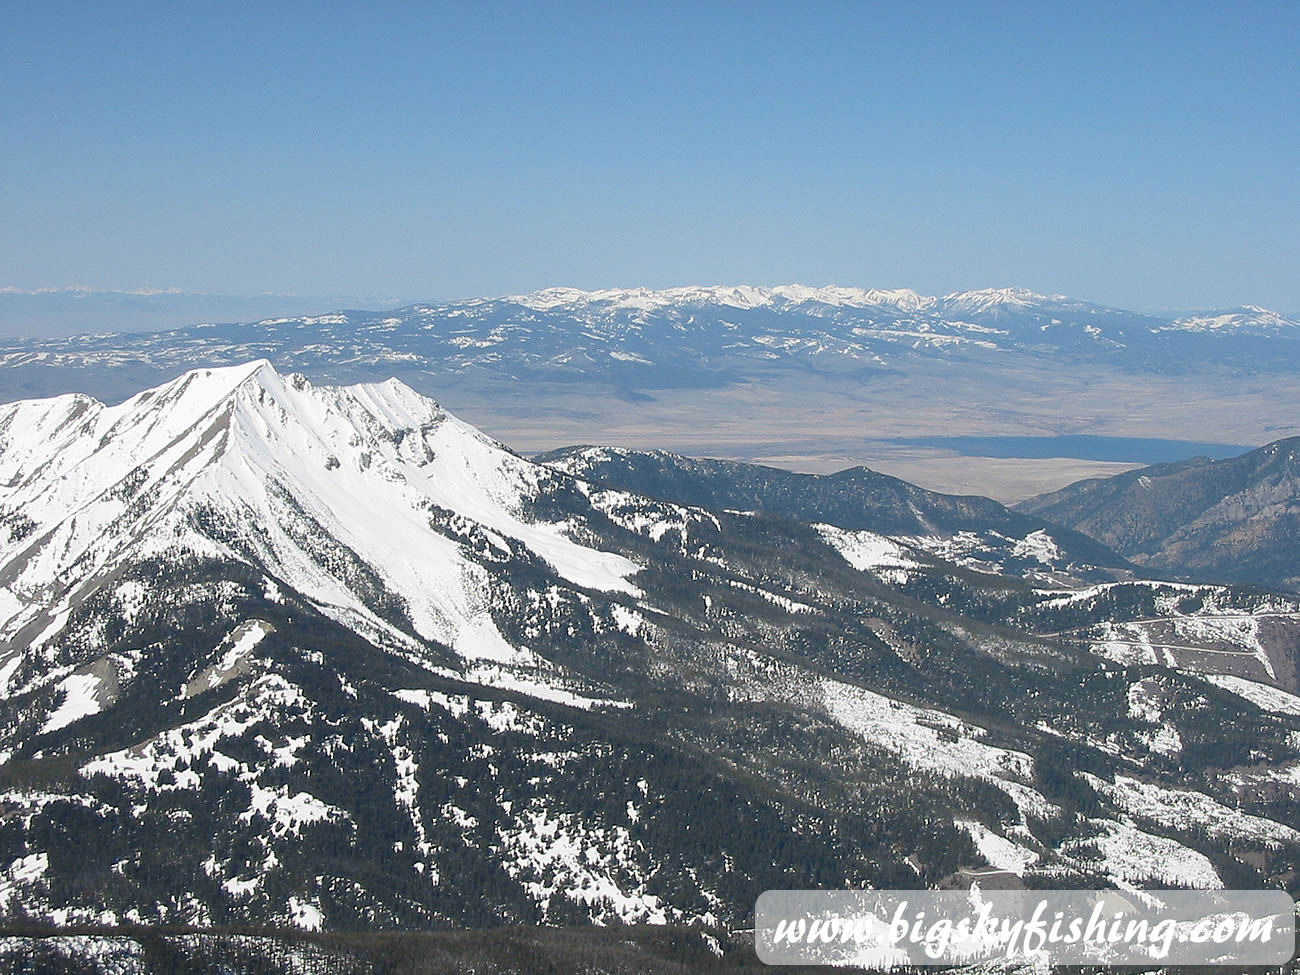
column 243, row 463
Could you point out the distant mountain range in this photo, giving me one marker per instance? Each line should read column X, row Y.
column 981, row 306
column 281, row 654
column 638, row 339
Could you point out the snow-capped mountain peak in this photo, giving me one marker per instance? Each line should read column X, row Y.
column 1245, row 318
column 333, row 490
column 989, row 299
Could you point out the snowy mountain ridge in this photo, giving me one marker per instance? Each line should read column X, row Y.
column 643, row 339
column 86, row 488
column 980, row 301
column 779, row 296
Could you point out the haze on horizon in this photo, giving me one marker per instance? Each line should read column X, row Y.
column 1115, row 153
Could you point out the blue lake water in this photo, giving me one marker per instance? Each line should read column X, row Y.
column 1129, row 450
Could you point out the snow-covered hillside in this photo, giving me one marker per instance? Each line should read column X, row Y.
column 328, row 657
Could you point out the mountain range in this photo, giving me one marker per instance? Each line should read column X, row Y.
column 284, row 654
column 639, row 339
column 816, row 379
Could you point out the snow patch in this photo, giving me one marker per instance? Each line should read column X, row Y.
column 998, row 851
column 935, row 741
column 80, row 700
column 1263, row 696
column 865, row 550
column 1127, row 855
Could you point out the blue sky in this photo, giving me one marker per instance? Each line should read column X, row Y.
column 1140, row 154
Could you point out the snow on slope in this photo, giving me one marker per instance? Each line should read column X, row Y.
column 80, row 699
column 869, row 551
column 739, row 296
column 935, row 741
column 1130, row 856
column 791, row 296
column 1263, row 696
column 242, row 641
column 1187, row 809
column 997, row 850
column 320, row 486
column 1245, row 318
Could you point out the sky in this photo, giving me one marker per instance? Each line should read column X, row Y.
column 1142, row 155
